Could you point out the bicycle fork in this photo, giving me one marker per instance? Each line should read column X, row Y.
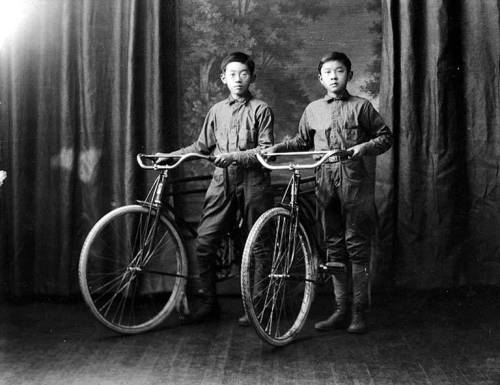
column 182, row 305
column 148, row 231
column 286, row 234
column 294, row 222
column 283, row 254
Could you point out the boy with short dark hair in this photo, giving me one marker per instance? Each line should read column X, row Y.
column 344, row 190
column 234, row 130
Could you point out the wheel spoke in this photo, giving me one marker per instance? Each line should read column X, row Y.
column 108, row 285
column 109, row 302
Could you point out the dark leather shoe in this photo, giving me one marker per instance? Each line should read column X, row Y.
column 338, row 320
column 243, row 320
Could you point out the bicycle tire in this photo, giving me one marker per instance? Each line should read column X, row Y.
column 277, row 296
column 131, row 284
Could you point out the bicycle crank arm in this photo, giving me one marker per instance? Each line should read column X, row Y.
column 292, row 277
column 333, row 268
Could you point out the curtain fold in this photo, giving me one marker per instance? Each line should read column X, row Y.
column 84, row 89
column 439, row 91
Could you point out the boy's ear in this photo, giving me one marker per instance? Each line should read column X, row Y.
column 223, row 77
column 252, row 79
column 349, row 76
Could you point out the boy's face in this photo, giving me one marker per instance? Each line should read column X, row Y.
column 238, row 78
column 334, row 77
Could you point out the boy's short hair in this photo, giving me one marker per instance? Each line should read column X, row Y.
column 239, row 57
column 337, row 56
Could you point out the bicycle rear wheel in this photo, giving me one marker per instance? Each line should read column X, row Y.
column 277, row 277
column 132, row 269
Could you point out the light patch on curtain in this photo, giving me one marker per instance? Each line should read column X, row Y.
column 87, row 166
column 87, row 162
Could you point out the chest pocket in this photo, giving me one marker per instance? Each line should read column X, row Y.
column 353, row 135
column 351, row 130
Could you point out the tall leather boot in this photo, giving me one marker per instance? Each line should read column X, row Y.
column 208, row 309
column 360, row 298
column 338, row 320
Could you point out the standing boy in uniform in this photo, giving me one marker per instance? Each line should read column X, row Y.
column 234, row 130
column 340, row 121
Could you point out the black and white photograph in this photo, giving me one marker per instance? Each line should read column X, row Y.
column 249, row 192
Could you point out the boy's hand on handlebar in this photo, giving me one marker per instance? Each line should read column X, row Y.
column 357, row 151
column 225, row 160
column 269, row 150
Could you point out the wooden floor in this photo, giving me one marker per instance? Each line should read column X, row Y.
column 415, row 338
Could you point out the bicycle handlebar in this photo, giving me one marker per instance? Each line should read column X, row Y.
column 142, row 159
column 332, row 156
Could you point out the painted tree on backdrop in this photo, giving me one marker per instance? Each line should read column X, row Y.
column 266, row 29
column 372, row 85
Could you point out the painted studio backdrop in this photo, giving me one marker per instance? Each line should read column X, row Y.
column 286, row 40
column 87, row 85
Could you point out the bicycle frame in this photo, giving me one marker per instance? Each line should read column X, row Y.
column 293, row 189
column 155, row 199
column 295, row 179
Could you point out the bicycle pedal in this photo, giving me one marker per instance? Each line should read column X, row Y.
column 333, row 267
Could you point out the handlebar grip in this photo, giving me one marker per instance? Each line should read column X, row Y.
column 165, row 161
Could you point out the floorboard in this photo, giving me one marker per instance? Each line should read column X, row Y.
column 437, row 337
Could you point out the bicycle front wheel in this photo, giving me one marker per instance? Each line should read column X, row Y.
column 133, row 269
column 277, row 277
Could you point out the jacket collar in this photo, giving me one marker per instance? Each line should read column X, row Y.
column 244, row 100
column 330, row 99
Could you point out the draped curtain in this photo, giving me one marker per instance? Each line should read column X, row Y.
column 85, row 86
column 91, row 83
column 438, row 193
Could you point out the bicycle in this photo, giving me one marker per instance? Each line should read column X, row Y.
column 280, row 264
column 133, row 266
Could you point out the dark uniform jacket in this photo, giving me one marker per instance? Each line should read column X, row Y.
column 339, row 123
column 244, row 127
